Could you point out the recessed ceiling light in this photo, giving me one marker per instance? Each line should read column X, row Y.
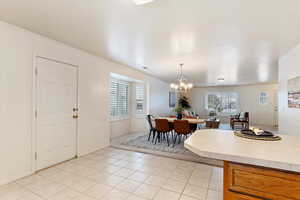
column 221, row 79
column 141, row 2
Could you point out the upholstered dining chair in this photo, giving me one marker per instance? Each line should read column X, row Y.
column 163, row 129
column 152, row 130
column 193, row 127
column 183, row 129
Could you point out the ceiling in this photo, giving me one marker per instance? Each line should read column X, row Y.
column 238, row 40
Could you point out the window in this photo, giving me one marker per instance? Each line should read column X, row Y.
column 119, row 99
column 139, row 97
column 222, row 102
column 263, row 98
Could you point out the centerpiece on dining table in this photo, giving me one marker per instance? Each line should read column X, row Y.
column 183, row 104
column 179, row 110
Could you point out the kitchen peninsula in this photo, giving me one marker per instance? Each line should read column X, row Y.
column 253, row 169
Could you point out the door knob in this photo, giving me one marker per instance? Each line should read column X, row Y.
column 75, row 116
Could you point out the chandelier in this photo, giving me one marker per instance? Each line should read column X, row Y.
column 182, row 84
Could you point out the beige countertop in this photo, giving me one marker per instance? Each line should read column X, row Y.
column 224, row 145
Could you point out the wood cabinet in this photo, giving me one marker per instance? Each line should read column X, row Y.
column 245, row 182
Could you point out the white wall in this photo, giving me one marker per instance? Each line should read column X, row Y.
column 289, row 67
column 159, row 98
column 121, row 127
column 15, row 112
column 18, row 49
column 248, row 96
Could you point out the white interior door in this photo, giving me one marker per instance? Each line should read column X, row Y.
column 56, row 126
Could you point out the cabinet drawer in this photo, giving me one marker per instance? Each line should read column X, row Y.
column 236, row 196
column 263, row 182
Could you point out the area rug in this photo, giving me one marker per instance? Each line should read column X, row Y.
column 139, row 142
column 142, row 142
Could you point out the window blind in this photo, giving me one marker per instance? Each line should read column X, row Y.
column 118, row 99
column 140, row 94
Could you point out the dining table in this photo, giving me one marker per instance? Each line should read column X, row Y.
column 190, row 120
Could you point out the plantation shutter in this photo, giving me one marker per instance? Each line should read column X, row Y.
column 119, row 99
column 140, row 94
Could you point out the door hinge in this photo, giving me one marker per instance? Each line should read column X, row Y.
column 35, row 156
column 35, row 113
column 36, row 71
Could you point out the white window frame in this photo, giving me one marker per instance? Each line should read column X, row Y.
column 144, row 99
column 119, row 117
column 265, row 98
column 220, row 94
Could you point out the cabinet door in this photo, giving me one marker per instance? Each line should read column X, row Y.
column 263, row 182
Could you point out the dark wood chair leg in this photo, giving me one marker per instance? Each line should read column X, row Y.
column 153, row 135
column 149, row 135
column 179, row 139
column 157, row 137
column 167, row 135
column 175, row 138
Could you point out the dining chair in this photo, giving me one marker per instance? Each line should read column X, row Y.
column 182, row 128
column 193, row 127
column 242, row 120
column 163, row 129
column 152, row 130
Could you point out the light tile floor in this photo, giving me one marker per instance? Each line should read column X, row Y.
column 112, row 174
